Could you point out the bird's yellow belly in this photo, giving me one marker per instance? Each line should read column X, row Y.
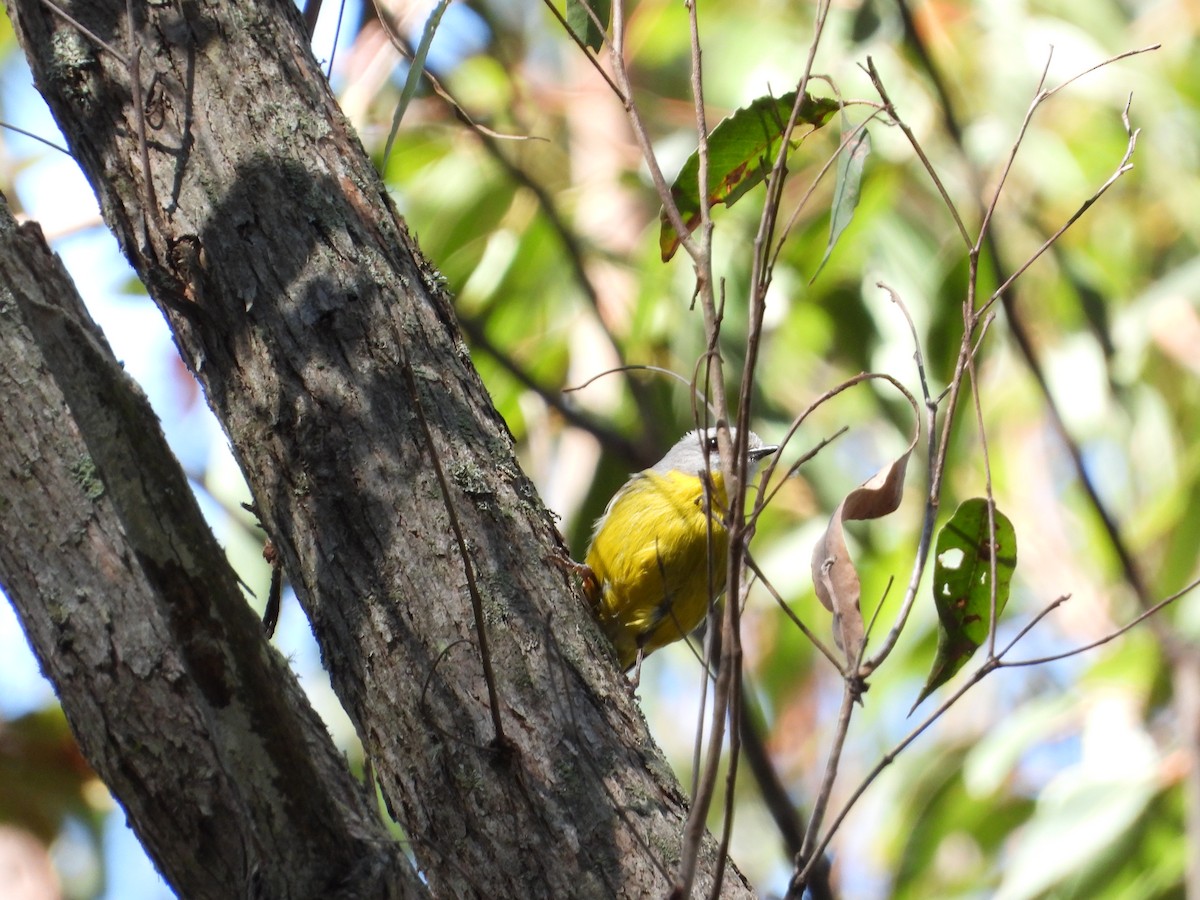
column 650, row 557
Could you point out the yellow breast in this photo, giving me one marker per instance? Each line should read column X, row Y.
column 650, row 555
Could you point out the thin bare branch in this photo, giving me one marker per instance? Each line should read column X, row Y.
column 1033, row 622
column 811, row 858
column 696, row 393
column 86, row 32
column 1102, row 64
column 887, row 589
column 552, row 397
column 802, row 203
column 1124, row 166
column 763, row 259
column 36, row 137
column 1111, row 636
column 918, row 357
column 641, row 135
column 790, row 613
column 820, row 401
column 877, row 83
column 586, row 51
column 697, row 79
column 993, row 562
column 990, row 209
column 935, row 470
column 765, row 496
column 499, row 740
column 932, row 501
column 812, row 850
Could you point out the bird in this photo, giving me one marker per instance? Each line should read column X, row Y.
column 648, row 573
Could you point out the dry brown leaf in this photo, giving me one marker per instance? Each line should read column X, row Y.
column 834, row 577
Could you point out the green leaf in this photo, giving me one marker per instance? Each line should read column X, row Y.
column 962, row 585
column 581, row 23
column 415, row 70
column 846, row 190
column 741, row 150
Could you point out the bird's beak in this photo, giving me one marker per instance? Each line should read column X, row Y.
column 762, row 453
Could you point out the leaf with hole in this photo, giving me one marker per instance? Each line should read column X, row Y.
column 741, row 150
column 966, row 555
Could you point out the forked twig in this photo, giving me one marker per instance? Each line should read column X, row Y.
column 1124, row 166
column 988, row 666
column 1137, row 620
column 877, row 83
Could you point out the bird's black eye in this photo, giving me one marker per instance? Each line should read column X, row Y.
column 712, row 443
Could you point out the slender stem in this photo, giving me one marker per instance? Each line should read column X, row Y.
column 990, row 210
column 489, row 676
column 790, row 613
column 877, row 83
column 993, row 546
column 811, row 856
column 845, row 711
column 1124, row 166
column 641, row 135
column 888, row 758
column 85, row 31
column 583, row 48
column 1113, row 635
column 37, row 137
column 699, row 248
column 848, row 138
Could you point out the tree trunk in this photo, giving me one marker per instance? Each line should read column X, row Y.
column 504, row 740
column 196, row 723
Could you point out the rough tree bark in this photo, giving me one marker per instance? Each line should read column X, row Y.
column 193, row 720
column 504, row 740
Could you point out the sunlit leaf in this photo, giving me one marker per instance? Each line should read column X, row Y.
column 845, row 193
column 415, row 70
column 741, row 150
column 962, row 585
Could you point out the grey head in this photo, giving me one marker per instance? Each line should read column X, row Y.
column 688, row 454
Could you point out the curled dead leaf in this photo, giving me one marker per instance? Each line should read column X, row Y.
column 835, row 578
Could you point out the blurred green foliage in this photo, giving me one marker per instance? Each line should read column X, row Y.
column 1111, row 312
column 1062, row 779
